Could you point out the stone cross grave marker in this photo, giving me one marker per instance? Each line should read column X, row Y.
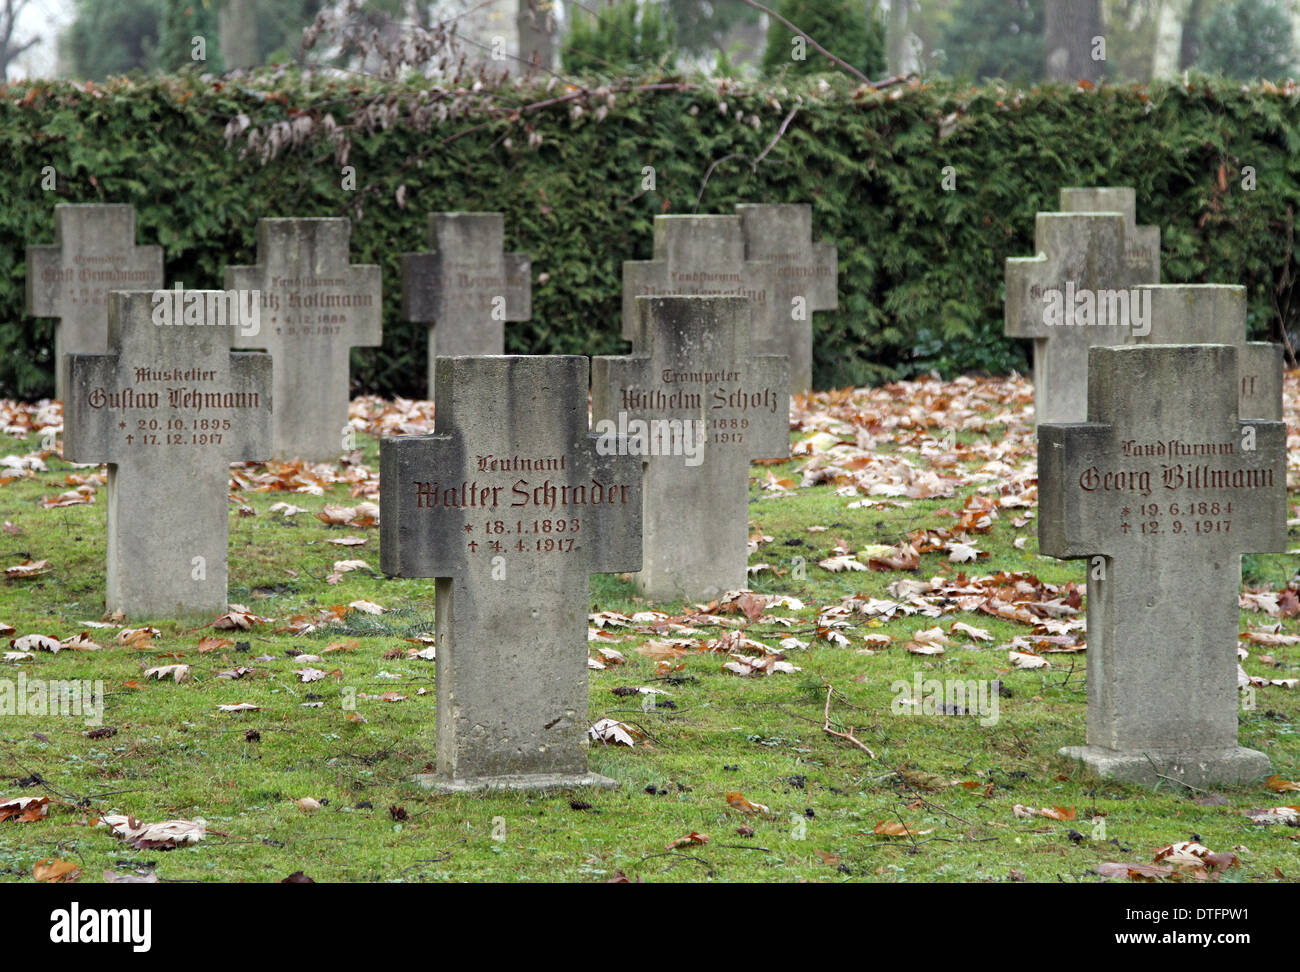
column 467, row 287
column 509, row 505
column 1081, row 258
column 702, row 256
column 806, row 280
column 94, row 252
column 1142, row 243
column 168, row 407
column 1163, row 489
column 1216, row 314
column 315, row 307
column 702, row 404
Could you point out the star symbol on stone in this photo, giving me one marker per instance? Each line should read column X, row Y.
column 469, row 528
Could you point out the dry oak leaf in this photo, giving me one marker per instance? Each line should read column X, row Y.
column 660, row 650
column 1268, row 815
column 28, row 568
column 309, row 674
column 36, row 642
column 1278, row 785
column 906, row 557
column 896, row 828
column 978, row 634
column 613, row 731
column 1270, row 636
column 239, row 707
column 156, row 836
column 238, row 618
column 366, row 607
column 1052, row 813
column 841, row 562
column 24, row 809
column 1190, row 853
column 691, row 838
column 1027, row 659
column 178, row 672
column 82, row 642
column 737, row 801
column 51, row 870
column 1134, row 872
column 307, row 804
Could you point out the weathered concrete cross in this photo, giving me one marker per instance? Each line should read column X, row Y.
column 509, row 505
column 1163, row 488
column 1087, row 254
column 807, row 280
column 1216, row 314
column 702, row 256
column 315, row 308
column 169, row 407
column 701, row 404
column 467, row 287
column 94, row 252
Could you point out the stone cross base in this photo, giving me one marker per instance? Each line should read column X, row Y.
column 1196, row 768
column 535, row 782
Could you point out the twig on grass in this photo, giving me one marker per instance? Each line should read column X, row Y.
column 1172, row 779
column 846, row 736
column 681, row 857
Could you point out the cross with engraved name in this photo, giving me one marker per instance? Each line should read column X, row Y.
column 702, row 256
column 1163, row 489
column 697, row 405
column 510, row 506
column 168, row 407
column 1142, row 243
column 1216, row 314
column 467, row 287
column 94, row 252
column 807, row 280
column 1078, row 254
column 315, row 307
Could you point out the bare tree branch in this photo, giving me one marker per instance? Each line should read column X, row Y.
column 817, row 47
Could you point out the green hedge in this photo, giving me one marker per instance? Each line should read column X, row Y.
column 920, row 267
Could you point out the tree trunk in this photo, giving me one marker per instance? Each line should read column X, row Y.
column 238, row 28
column 1190, row 48
column 1169, row 39
column 898, row 50
column 1070, row 29
column 536, row 25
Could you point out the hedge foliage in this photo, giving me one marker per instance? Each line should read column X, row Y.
column 920, row 267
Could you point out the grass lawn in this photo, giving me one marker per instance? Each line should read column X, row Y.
column 932, row 799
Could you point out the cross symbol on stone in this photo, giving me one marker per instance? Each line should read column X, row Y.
column 1163, row 436
column 704, row 256
column 467, row 287
column 703, row 404
column 807, row 280
column 327, row 307
column 194, row 406
column 1079, row 253
column 94, row 252
column 511, row 452
column 1216, row 314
